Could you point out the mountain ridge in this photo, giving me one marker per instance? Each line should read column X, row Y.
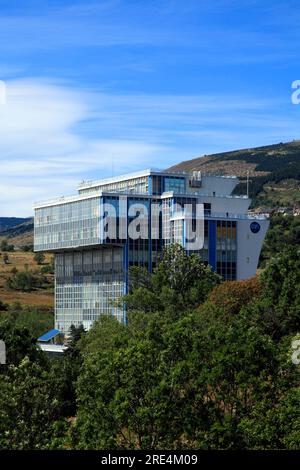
column 19, row 234
column 6, row 223
column 274, row 172
column 268, row 167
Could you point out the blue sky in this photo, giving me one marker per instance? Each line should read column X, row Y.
column 98, row 88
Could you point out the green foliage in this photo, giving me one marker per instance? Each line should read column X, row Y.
column 30, row 412
column 190, row 380
column 3, row 306
column 5, row 246
column 27, row 248
column 284, row 231
column 280, row 305
column 182, row 384
column 39, row 258
column 199, row 365
column 69, row 369
column 180, row 282
column 274, row 427
column 27, row 281
column 257, row 184
column 19, row 342
column 20, row 328
column 37, row 320
column 36, row 395
column 47, row 269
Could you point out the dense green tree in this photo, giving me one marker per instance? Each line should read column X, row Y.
column 192, row 378
column 284, row 231
column 27, row 281
column 27, row 248
column 3, row 306
column 39, row 258
column 37, row 320
column 199, row 365
column 180, row 282
column 5, row 246
column 186, row 383
column 30, row 412
column 68, row 369
column 279, row 307
column 19, row 342
column 273, row 424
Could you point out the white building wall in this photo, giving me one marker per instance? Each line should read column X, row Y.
column 248, row 247
column 232, row 205
column 217, row 184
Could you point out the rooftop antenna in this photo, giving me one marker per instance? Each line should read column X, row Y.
column 112, row 166
column 248, row 183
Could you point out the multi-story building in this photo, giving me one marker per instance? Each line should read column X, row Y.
column 115, row 223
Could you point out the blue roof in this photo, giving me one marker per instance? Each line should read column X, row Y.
column 49, row 335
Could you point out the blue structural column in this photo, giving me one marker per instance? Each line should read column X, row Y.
column 150, row 236
column 126, row 263
column 212, row 244
column 184, row 234
column 150, row 189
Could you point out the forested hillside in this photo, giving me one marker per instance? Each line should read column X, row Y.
column 7, row 223
column 269, row 168
column 199, row 365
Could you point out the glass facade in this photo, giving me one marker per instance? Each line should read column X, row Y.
column 89, row 284
column 175, row 184
column 91, row 263
column 67, row 225
column 226, row 249
column 177, row 231
column 134, row 185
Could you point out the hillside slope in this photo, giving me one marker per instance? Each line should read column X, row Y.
column 7, row 223
column 20, row 234
column 24, row 262
column 274, row 171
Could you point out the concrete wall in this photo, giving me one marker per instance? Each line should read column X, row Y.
column 249, row 246
column 217, row 184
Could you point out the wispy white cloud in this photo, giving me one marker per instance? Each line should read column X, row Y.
column 41, row 150
column 52, row 136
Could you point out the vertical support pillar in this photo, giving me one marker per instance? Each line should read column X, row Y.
column 212, row 244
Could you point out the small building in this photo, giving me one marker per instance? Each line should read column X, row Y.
column 51, row 337
column 51, row 343
column 53, row 350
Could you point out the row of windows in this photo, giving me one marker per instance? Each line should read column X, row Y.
column 71, row 211
column 98, row 262
column 76, row 303
column 89, row 283
column 227, row 270
column 226, row 249
column 136, row 185
column 64, row 322
column 67, row 225
column 175, row 184
column 83, row 223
